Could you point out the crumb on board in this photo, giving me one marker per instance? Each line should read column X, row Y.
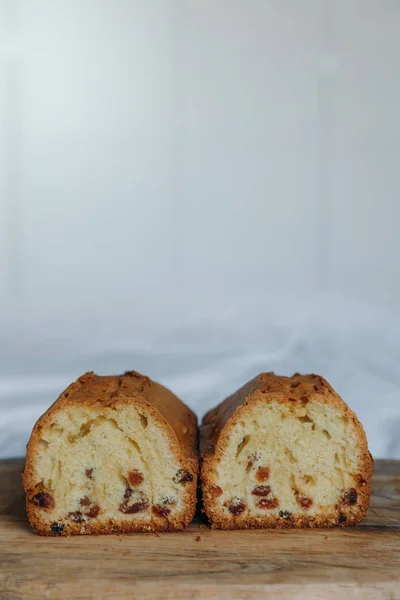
column 198, row 539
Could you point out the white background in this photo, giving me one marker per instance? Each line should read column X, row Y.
column 200, row 190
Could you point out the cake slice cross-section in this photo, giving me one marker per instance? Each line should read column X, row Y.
column 284, row 452
column 114, row 454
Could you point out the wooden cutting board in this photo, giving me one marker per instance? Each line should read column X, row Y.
column 198, row 563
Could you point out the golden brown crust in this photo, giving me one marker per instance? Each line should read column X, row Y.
column 69, row 528
column 218, row 425
column 177, row 420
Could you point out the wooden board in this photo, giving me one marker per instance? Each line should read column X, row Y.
column 198, row 563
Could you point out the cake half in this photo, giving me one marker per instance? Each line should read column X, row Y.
column 112, row 454
column 284, row 452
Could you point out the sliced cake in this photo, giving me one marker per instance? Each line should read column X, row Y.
column 112, row 454
column 284, row 452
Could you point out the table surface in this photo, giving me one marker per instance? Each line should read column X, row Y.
column 362, row 562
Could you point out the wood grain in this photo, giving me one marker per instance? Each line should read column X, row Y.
column 198, row 563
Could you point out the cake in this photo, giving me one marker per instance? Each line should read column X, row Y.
column 114, row 454
column 284, row 452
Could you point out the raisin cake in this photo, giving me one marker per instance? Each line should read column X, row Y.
column 112, row 454
column 284, row 452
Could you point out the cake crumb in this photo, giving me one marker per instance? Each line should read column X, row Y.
column 198, row 539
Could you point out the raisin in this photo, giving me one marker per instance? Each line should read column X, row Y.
column 134, row 508
column 182, row 476
column 88, row 473
column 268, row 503
column 304, row 502
column 126, row 508
column 285, row 514
column 76, row 516
column 128, row 493
column 93, row 511
column 56, row 527
column 44, row 500
column 160, row 511
column 236, row 507
column 342, row 518
column 262, row 474
column 216, row 491
column 135, row 477
column 261, row 490
column 349, row 497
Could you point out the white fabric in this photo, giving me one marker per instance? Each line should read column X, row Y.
column 206, row 358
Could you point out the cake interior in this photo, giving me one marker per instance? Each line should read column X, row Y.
column 101, row 464
column 287, row 459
